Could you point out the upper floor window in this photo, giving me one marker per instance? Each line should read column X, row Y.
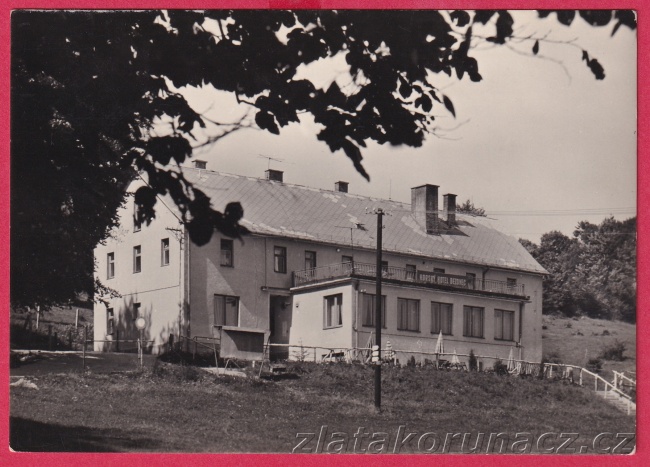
column 473, row 321
column 227, row 253
column 346, row 259
column 137, row 217
column 439, row 270
column 226, row 310
column 470, row 277
column 280, row 259
column 369, row 310
column 384, row 268
column 441, row 317
column 110, row 265
column 408, row 314
column 511, row 283
column 310, row 259
column 137, row 258
column 164, row 252
column 504, row 324
column 333, row 315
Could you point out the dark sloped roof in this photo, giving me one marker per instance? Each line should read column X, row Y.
column 293, row 211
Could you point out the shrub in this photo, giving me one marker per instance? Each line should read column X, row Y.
column 540, row 373
column 605, row 332
column 411, row 361
column 595, row 365
column 568, row 325
column 500, row 368
column 473, row 361
column 613, row 351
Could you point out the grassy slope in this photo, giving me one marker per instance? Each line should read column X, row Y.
column 62, row 320
column 166, row 411
column 575, row 339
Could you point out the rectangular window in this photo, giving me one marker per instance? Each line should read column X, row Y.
column 136, row 310
column 333, row 315
column 408, row 314
column 439, row 270
column 368, row 307
column 110, row 265
column 310, row 259
column 164, row 252
column 226, row 310
column 227, row 253
column 137, row 218
column 137, row 259
column 441, row 316
column 346, row 259
column 280, row 259
column 511, row 283
column 473, row 321
column 504, row 324
column 110, row 321
column 411, row 271
column 384, row 266
column 471, row 280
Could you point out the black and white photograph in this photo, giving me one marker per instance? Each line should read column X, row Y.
column 323, row 231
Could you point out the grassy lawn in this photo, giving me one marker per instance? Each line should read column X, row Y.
column 182, row 409
column 575, row 341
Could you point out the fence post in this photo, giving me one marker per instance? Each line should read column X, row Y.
column 85, row 337
column 580, row 376
column 595, row 384
column 76, row 319
column 117, row 340
column 49, row 336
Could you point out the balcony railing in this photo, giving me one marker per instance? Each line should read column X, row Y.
column 391, row 273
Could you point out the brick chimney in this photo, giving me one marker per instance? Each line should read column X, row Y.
column 274, row 175
column 449, row 206
column 341, row 186
column 424, row 206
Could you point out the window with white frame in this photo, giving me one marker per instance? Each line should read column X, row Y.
column 164, row 252
column 504, row 324
column 226, row 310
column 332, row 313
column 441, row 317
column 137, row 259
column 408, row 314
column 137, row 217
column 369, row 310
column 473, row 321
column 110, row 265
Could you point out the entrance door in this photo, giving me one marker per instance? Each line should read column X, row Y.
column 280, row 324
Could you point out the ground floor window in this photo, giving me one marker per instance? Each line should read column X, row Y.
column 473, row 321
column 332, row 315
column 441, row 315
column 226, row 310
column 408, row 314
column 504, row 324
column 368, row 306
column 110, row 321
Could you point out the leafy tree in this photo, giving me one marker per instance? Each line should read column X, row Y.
column 468, row 208
column 593, row 273
column 90, row 91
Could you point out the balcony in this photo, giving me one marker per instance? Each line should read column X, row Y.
column 391, row 274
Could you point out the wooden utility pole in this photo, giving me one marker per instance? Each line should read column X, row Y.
column 380, row 215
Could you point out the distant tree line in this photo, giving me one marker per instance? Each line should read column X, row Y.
column 593, row 273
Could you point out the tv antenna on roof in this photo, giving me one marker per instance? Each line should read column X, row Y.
column 270, row 159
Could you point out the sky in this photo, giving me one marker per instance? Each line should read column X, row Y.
column 539, row 143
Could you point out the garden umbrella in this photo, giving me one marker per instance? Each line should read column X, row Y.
column 440, row 348
column 511, row 361
column 454, row 358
